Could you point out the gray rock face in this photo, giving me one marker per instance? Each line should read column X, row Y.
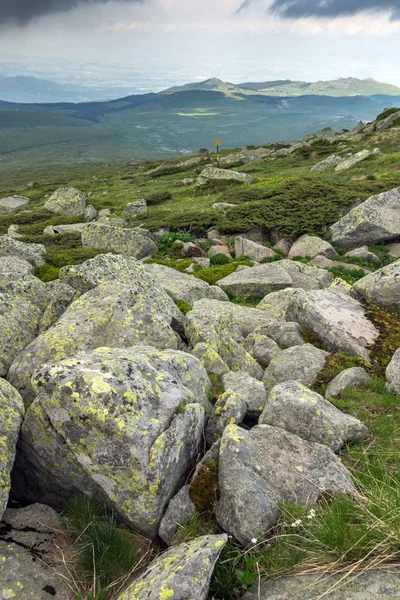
column 391, row 120
column 381, row 287
column 369, row 585
column 132, row 209
column 230, row 408
column 338, row 321
column 116, row 239
column 90, row 214
column 249, row 389
column 182, row 286
column 261, row 347
column 13, row 268
column 11, row 414
column 285, row 333
column 327, row 263
column 393, row 373
column 219, row 249
column 33, row 253
column 60, row 297
column 363, row 253
column 213, row 173
column 256, row 282
column 330, row 161
column 274, row 305
column 394, row 250
column 255, row 251
column 295, row 408
column 259, row 469
column 306, row 277
column 182, row 573
column 66, row 201
column 375, row 220
column 12, row 204
column 180, row 509
column 192, row 250
column 311, row 246
column 112, row 314
column 107, row 424
column 72, row 228
column 353, row 377
column 299, row 363
column 349, row 162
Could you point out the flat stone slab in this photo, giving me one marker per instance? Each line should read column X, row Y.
column 256, row 282
column 12, row 204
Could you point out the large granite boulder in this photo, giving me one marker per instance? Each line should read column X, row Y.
column 182, row 573
column 294, row 407
column 327, row 163
column 117, row 239
column 353, row 377
column 375, row 220
column 363, row 253
column 12, row 204
column 66, row 201
column 255, row 251
column 121, row 425
column 213, row 173
column 388, row 122
column 274, row 305
column 352, row 160
column 11, row 413
column 306, row 277
column 13, row 268
column 261, row 347
column 381, row 287
column 33, row 253
column 260, row 468
column 182, row 286
column 300, row 363
column 256, row 282
column 311, row 246
column 339, row 321
column 393, row 373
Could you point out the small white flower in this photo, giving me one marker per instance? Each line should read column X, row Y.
column 296, row 523
column 311, row 514
column 254, row 540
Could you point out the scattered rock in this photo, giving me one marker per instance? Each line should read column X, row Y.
column 285, row 333
column 192, row 250
column 250, row 390
column 394, row 250
column 12, row 204
column 274, row 305
column 283, row 245
column 90, row 214
column 213, row 173
column 187, row 181
column 327, row 263
column 352, row 160
column 66, row 201
column 300, row 363
column 180, row 509
column 255, row 251
column 256, row 282
column 222, row 205
column 13, row 232
column 230, row 408
column 363, row 253
column 261, row 347
column 382, row 287
column 214, row 250
column 71, row 228
column 306, row 277
column 393, row 373
column 311, row 246
column 327, row 163
column 387, row 123
column 13, row 268
column 126, row 241
column 33, row 253
column 348, row 378
column 132, row 209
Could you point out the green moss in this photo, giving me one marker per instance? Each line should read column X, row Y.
column 204, row 489
column 183, row 306
column 33, row 222
column 178, row 265
column 47, row 273
column 388, row 324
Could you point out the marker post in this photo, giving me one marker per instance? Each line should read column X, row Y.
column 217, row 144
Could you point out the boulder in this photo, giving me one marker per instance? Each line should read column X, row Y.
column 327, row 163
column 261, row 347
column 255, row 251
column 257, row 282
column 210, row 359
column 260, row 468
column 322, row 134
column 250, row 390
column 122, row 425
column 90, row 214
column 283, row 245
column 306, row 277
column 213, row 173
column 60, row 296
column 353, row 377
column 348, row 163
column 338, row 321
column 394, row 250
column 182, row 286
column 381, row 287
column 12, row 412
column 223, row 205
column 12, row 231
column 230, row 408
column 388, row 122
column 375, row 220
column 363, row 253
column 57, row 229
column 33, row 253
column 285, row 333
column 12, row 204
column 116, row 239
column 233, row 353
column 311, row 246
column 393, row 373
column 219, row 249
column 182, row 573
column 327, row 263
column 13, row 268
column 132, row 209
column 67, row 201
column 274, row 305
column 295, row 408
column 192, row 250
column 300, row 363
column 180, row 509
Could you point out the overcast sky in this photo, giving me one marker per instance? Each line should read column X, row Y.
column 194, row 39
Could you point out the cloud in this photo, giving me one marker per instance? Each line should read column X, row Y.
column 24, row 11
column 333, row 8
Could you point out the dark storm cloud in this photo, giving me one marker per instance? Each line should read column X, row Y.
column 23, row 11
column 332, row 8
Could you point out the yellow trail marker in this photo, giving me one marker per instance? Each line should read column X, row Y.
column 218, row 143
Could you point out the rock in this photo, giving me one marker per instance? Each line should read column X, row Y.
column 33, row 253
column 191, row 250
column 330, row 161
column 187, row 181
column 327, row 263
column 182, row 573
column 72, row 228
column 250, row 390
column 381, row 287
column 300, row 363
column 203, row 262
column 283, row 245
column 365, row 585
column 254, row 251
column 304, row 276
column 260, row 468
column 340, row 322
column 214, row 250
column 13, row 268
column 323, row 134
column 375, row 220
column 223, row 205
column 242, row 268
column 60, row 296
column 66, row 201
column 182, row 286
column 394, row 250
column 295, row 408
column 180, row 509
column 234, row 355
column 274, row 305
column 120, row 424
column 213, row 234
column 391, row 120
column 393, row 373
column 363, row 253
column 12, row 204
column 352, row 160
column 117, row 239
column 13, row 232
column 311, row 245
column 90, row 214
column 113, row 314
column 357, row 129
column 213, row 173
column 12, row 412
column 132, row 209
column 285, row 333
column 230, row 408
column 210, row 359
column 256, row 282
column 261, row 347
column 353, row 377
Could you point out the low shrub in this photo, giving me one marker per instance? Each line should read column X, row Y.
column 167, row 240
column 349, row 275
column 158, row 198
column 220, row 259
column 47, row 273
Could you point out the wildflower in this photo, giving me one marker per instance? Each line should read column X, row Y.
column 254, row 540
column 296, row 523
column 311, row 514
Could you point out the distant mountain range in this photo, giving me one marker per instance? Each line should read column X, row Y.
column 25, row 89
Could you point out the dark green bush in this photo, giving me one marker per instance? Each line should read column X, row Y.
column 242, row 195
column 47, row 273
column 220, row 259
column 158, row 198
column 349, row 275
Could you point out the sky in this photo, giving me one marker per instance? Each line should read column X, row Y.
column 165, row 42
